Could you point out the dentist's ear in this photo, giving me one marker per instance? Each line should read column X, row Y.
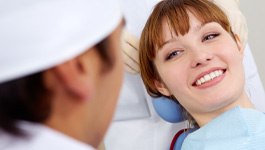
column 73, row 79
column 160, row 86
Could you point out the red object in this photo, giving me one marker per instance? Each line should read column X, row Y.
column 175, row 138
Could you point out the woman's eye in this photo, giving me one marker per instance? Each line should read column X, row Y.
column 174, row 54
column 210, row 36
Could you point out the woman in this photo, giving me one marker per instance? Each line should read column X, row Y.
column 189, row 53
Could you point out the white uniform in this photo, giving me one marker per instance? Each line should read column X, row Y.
column 40, row 137
column 136, row 124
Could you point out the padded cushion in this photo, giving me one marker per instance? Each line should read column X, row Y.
column 168, row 109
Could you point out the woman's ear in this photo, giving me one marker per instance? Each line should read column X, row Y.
column 160, row 86
column 74, row 79
column 239, row 44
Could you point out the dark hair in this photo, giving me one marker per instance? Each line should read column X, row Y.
column 28, row 99
column 105, row 55
column 23, row 99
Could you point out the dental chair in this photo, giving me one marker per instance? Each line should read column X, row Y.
column 137, row 123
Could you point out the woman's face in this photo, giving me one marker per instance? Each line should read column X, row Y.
column 202, row 69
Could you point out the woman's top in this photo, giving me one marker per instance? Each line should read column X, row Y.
column 236, row 129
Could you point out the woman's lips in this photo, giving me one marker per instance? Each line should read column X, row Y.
column 209, row 78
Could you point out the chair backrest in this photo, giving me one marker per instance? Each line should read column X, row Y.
column 167, row 109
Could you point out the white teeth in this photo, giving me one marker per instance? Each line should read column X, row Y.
column 209, row 77
column 212, row 74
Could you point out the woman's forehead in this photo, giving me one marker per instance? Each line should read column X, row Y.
column 178, row 21
column 194, row 23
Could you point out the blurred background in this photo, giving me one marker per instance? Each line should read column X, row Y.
column 254, row 12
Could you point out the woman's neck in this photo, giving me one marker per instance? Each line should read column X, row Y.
column 204, row 118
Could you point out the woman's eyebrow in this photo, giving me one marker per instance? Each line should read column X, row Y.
column 166, row 42
column 209, row 24
column 201, row 26
column 196, row 28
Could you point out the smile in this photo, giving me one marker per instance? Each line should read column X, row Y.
column 208, row 77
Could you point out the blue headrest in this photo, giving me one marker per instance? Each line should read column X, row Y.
column 168, row 109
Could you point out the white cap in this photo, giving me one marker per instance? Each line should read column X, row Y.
column 38, row 34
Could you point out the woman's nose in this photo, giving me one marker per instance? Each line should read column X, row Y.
column 200, row 58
